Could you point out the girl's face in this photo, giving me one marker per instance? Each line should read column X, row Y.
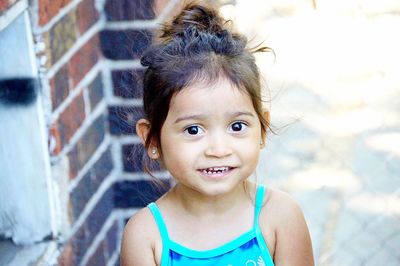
column 211, row 138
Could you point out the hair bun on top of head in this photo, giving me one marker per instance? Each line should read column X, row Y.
column 198, row 14
column 197, row 29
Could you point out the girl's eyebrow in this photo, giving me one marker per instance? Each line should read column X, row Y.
column 202, row 117
column 189, row 117
column 241, row 113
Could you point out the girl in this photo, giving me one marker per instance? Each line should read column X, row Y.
column 205, row 124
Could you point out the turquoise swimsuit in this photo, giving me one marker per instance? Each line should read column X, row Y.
column 248, row 249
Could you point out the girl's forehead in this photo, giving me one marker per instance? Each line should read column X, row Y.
column 210, row 89
column 206, row 96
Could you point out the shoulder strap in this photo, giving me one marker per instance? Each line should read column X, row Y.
column 260, row 238
column 163, row 232
column 160, row 222
column 259, row 202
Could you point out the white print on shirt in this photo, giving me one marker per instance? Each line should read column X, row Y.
column 260, row 262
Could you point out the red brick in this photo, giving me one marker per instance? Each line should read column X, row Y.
column 111, row 240
column 66, row 2
column 74, row 166
column 62, row 36
column 67, row 256
column 85, row 235
column 86, row 146
column 96, row 93
column 59, row 87
column 54, row 141
column 71, row 119
column 87, row 15
column 98, row 257
column 4, row 4
column 89, row 184
column 83, row 60
column 48, row 9
column 80, row 242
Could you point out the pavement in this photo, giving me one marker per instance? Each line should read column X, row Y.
column 334, row 97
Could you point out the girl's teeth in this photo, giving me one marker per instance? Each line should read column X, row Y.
column 214, row 170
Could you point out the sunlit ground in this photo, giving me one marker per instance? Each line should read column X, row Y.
column 334, row 88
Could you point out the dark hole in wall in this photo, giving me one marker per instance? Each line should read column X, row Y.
column 18, row 91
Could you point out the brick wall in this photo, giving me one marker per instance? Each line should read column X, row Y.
column 71, row 67
column 95, row 91
column 6, row 4
column 130, row 27
column 91, row 81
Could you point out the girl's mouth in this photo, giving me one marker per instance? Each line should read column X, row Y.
column 216, row 170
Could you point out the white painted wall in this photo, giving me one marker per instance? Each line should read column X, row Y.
column 25, row 209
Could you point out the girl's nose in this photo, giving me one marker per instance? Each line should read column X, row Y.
column 218, row 146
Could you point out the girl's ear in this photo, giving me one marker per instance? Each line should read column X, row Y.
column 142, row 130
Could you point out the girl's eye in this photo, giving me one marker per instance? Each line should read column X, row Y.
column 238, row 126
column 193, row 130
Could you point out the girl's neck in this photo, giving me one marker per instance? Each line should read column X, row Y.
column 200, row 205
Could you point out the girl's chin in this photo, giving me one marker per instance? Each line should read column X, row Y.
column 217, row 189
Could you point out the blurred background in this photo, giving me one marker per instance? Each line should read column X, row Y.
column 70, row 94
column 334, row 91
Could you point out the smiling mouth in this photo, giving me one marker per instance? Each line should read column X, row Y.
column 216, row 170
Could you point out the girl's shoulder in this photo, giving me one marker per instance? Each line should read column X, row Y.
column 278, row 204
column 282, row 223
column 143, row 222
column 279, row 209
column 140, row 239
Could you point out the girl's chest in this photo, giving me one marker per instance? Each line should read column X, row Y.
column 268, row 233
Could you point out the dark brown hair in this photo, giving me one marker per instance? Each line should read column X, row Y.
column 196, row 46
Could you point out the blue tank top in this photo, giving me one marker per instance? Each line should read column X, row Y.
column 248, row 249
